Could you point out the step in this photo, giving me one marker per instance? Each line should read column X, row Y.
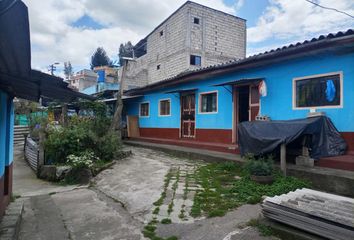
column 11, row 221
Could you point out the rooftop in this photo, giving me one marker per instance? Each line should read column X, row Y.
column 321, row 42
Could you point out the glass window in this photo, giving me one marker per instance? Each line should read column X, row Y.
column 208, row 102
column 144, row 109
column 196, row 20
column 196, row 60
column 318, row 91
column 165, row 107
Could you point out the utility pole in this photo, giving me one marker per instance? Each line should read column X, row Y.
column 52, row 67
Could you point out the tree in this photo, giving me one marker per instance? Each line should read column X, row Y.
column 68, row 70
column 125, row 50
column 100, row 58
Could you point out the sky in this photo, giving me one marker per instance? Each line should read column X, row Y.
column 68, row 30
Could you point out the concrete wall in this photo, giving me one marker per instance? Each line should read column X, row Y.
column 277, row 104
column 217, row 38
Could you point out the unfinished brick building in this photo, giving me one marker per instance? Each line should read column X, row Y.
column 193, row 36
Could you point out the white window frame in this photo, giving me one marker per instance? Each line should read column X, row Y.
column 200, row 102
column 140, row 109
column 164, row 99
column 340, row 73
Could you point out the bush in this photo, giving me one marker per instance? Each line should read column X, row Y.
column 83, row 160
column 259, row 167
column 83, row 133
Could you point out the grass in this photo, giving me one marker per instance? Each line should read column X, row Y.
column 150, row 228
column 166, row 221
column 262, row 228
column 222, row 192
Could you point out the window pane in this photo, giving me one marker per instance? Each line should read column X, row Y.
column 209, row 102
column 195, row 60
column 144, row 109
column 165, row 107
column 317, row 92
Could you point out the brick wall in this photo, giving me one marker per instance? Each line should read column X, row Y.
column 217, row 38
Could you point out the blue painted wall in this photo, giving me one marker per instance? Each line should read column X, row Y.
column 6, row 131
column 277, row 104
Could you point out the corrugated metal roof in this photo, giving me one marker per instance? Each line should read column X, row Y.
column 323, row 41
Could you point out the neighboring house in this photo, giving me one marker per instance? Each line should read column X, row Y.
column 83, row 79
column 18, row 80
column 193, row 36
column 204, row 107
column 106, row 79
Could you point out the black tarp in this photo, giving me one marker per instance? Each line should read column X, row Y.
column 262, row 137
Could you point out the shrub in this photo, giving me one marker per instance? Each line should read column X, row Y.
column 83, row 160
column 259, row 167
column 83, row 133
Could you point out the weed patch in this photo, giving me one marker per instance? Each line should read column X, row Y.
column 222, row 190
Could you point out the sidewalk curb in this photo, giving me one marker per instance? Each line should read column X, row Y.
column 11, row 221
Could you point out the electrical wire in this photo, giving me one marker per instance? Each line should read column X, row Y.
column 329, row 8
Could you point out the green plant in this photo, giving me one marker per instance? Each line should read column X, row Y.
column 166, row 221
column 89, row 131
column 83, row 160
column 259, row 167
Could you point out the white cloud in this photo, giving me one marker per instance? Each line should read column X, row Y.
column 53, row 39
column 289, row 19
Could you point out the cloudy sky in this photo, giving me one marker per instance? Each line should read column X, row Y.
column 71, row 30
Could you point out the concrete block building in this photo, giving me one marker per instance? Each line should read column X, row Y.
column 193, row 36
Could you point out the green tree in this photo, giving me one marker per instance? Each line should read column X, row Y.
column 68, row 70
column 125, row 50
column 100, row 58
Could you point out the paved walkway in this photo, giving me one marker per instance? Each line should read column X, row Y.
column 119, row 203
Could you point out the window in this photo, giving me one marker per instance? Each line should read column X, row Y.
column 196, row 20
column 158, row 67
column 208, row 102
column 165, row 107
column 318, row 91
column 196, row 60
column 144, row 109
column 161, row 33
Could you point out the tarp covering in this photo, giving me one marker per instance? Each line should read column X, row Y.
column 261, row 137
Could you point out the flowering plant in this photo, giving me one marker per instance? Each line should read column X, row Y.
column 84, row 160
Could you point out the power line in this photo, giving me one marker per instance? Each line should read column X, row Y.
column 329, row 8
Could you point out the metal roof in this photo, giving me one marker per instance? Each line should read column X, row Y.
column 275, row 55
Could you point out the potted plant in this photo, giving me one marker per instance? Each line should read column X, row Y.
column 260, row 169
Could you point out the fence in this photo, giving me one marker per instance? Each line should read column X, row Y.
column 32, row 153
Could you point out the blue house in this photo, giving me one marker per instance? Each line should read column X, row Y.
column 203, row 108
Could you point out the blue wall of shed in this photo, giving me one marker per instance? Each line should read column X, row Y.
column 277, row 104
column 6, row 131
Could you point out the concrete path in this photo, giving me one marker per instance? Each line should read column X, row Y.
column 25, row 182
column 118, row 204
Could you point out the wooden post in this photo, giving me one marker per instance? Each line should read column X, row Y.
column 283, row 158
column 64, row 114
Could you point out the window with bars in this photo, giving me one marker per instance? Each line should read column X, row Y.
column 208, row 102
column 165, row 107
column 144, row 109
column 320, row 91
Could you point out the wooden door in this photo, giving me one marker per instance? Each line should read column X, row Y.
column 254, row 102
column 243, row 96
column 133, row 126
column 188, row 115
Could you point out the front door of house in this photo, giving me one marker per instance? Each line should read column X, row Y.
column 247, row 104
column 188, row 115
